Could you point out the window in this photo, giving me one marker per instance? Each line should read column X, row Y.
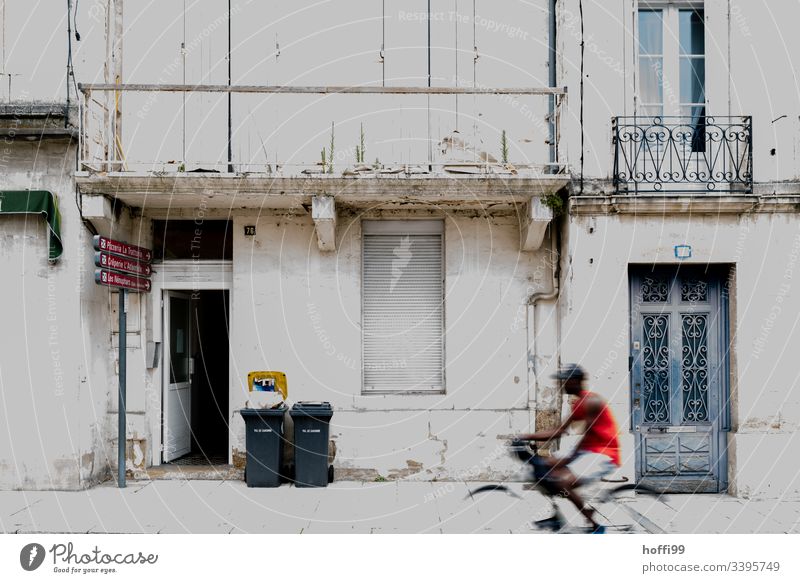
column 403, row 299
column 192, row 239
column 672, row 65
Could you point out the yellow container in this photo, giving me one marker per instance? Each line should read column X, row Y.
column 269, row 381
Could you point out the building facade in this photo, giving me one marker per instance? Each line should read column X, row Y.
column 417, row 216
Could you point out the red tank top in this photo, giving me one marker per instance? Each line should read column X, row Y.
column 600, row 436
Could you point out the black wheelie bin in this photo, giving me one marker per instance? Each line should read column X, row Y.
column 311, row 434
column 264, row 445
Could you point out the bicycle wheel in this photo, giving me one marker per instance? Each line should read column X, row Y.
column 640, row 519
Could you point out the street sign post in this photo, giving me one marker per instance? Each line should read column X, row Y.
column 125, row 267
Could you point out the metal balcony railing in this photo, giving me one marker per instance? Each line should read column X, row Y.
column 683, row 154
column 103, row 149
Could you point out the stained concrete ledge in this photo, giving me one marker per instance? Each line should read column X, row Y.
column 174, row 190
column 37, row 120
column 700, row 204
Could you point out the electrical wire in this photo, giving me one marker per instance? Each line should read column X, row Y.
column 75, row 21
column 474, row 70
column 580, row 9
column 70, row 64
column 455, row 3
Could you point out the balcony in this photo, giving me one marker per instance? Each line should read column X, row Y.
column 682, row 155
column 424, row 163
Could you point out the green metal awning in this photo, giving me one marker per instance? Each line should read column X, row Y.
column 18, row 202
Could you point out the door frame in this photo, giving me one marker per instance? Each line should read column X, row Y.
column 166, row 308
column 189, row 276
column 724, row 275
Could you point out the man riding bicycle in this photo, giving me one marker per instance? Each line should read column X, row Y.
column 596, row 455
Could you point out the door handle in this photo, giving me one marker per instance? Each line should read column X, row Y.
column 657, row 430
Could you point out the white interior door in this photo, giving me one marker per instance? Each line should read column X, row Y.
column 177, row 428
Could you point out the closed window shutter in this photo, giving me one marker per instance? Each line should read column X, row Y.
column 403, row 309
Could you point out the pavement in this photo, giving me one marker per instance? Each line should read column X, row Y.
column 229, row 506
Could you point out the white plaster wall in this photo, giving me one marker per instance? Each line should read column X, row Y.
column 298, row 310
column 765, row 250
column 765, row 83
column 53, row 371
column 750, row 70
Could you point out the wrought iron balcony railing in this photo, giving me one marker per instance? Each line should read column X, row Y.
column 683, row 154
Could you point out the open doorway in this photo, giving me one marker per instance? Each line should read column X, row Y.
column 195, row 400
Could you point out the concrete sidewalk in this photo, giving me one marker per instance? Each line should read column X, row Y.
column 219, row 506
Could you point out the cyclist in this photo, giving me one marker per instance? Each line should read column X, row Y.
column 596, row 455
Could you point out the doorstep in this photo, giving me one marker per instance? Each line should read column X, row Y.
column 189, row 472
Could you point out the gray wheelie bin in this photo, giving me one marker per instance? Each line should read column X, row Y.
column 264, row 445
column 311, row 433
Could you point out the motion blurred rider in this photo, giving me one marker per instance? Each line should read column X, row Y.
column 596, row 455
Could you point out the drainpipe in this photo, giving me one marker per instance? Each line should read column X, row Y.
column 555, row 239
column 552, row 80
column 533, row 300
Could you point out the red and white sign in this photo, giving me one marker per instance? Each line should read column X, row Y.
column 120, row 248
column 121, row 264
column 114, row 279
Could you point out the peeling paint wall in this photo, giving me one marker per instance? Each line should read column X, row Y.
column 53, row 366
column 298, row 310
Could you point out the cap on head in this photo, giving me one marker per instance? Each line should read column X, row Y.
column 570, row 372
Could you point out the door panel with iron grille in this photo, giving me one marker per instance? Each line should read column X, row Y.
column 678, row 370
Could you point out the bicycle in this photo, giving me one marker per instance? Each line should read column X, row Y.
column 527, row 453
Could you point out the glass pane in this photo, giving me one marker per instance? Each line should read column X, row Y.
column 651, row 32
column 651, row 77
column 693, row 80
column 694, row 368
column 655, row 289
column 692, row 32
column 696, row 117
column 694, row 290
column 179, row 340
column 652, row 110
column 655, row 369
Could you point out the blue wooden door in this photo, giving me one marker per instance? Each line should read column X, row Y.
column 679, row 356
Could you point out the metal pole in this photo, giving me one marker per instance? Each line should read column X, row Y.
column 123, row 327
column 430, row 143
column 552, row 54
column 230, row 128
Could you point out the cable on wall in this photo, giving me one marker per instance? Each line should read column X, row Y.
column 580, row 9
column 455, row 19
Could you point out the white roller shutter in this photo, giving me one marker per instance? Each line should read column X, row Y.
column 403, row 315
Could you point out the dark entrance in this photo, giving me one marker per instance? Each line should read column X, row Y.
column 210, row 379
column 208, row 400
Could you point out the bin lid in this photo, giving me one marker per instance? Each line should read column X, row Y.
column 276, row 412
column 312, row 409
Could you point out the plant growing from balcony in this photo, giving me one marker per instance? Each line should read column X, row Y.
column 330, row 157
column 504, row 147
column 360, row 149
column 554, row 202
column 324, row 161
